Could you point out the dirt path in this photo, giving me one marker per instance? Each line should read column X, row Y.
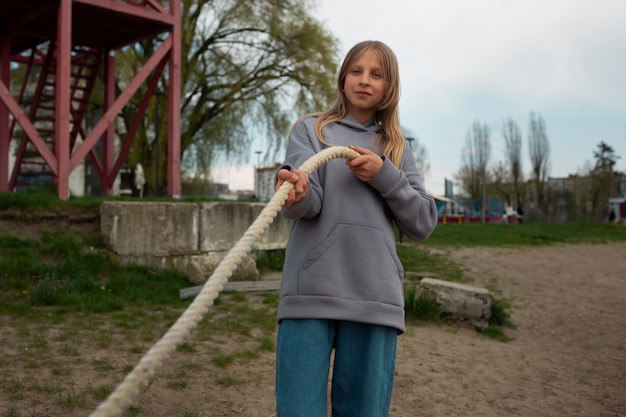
column 569, row 353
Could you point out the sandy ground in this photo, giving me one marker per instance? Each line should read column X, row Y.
column 567, row 358
column 569, row 353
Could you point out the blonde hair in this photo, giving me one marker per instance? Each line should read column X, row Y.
column 390, row 141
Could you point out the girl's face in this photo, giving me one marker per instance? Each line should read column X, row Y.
column 364, row 86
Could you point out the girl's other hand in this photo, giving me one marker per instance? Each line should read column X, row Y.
column 366, row 166
column 300, row 181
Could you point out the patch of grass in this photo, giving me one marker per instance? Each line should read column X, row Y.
column 424, row 307
column 270, row 260
column 270, row 299
column 229, row 380
column 52, row 387
column 528, row 234
column 14, row 387
column 70, row 350
column 102, row 391
column 15, row 258
column 189, row 413
column 499, row 316
column 102, row 365
column 499, row 321
column 187, row 347
column 136, row 349
column 497, row 333
column 248, row 354
column 189, row 366
column 72, row 398
column 42, row 198
column 104, row 340
column 60, row 245
column 234, row 315
column 267, row 344
column 177, row 381
column 134, row 410
column 223, row 360
column 57, row 369
column 127, row 368
column 418, row 262
column 56, row 271
column 13, row 412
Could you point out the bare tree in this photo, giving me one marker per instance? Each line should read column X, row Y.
column 539, row 152
column 473, row 173
column 513, row 142
column 420, row 153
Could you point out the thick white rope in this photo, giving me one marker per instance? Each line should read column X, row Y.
column 139, row 378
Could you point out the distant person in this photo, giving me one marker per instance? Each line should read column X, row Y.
column 140, row 179
column 342, row 283
column 612, row 216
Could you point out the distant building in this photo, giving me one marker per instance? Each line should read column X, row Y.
column 264, row 182
column 560, row 184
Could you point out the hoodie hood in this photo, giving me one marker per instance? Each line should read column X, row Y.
column 351, row 123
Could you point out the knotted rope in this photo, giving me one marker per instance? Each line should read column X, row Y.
column 139, row 378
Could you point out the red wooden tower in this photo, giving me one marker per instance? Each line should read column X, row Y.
column 66, row 44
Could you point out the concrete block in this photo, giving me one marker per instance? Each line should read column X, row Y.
column 189, row 237
column 223, row 224
column 201, row 267
column 198, row 268
column 462, row 301
column 150, row 228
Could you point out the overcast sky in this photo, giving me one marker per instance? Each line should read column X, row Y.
column 486, row 60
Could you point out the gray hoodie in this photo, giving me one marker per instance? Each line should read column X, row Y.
column 341, row 261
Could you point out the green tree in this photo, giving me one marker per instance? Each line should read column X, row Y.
column 605, row 158
column 501, row 182
column 602, row 177
column 249, row 68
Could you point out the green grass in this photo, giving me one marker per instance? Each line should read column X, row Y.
column 60, row 271
column 45, row 199
column 269, row 260
column 419, row 262
column 531, row 234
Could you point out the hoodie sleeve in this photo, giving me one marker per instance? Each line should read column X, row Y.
column 414, row 210
column 299, row 149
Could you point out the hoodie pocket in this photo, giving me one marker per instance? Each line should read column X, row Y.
column 354, row 262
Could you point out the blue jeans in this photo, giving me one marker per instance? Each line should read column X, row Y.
column 363, row 368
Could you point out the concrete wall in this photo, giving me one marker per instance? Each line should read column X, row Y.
column 191, row 237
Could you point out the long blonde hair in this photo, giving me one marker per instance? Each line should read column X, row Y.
column 390, row 140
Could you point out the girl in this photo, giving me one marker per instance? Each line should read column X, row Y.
column 342, row 280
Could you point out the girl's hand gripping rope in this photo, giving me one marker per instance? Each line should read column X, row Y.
column 300, row 181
